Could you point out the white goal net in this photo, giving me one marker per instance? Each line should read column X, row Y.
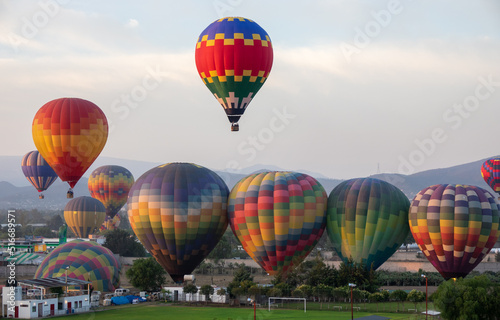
column 288, row 303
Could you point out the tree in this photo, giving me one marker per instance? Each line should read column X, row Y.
column 470, row 298
column 242, row 280
column 55, row 222
column 416, row 296
column 376, row 297
column 222, row 250
column 121, row 242
column 190, row 288
column 146, row 274
column 207, row 290
column 399, row 296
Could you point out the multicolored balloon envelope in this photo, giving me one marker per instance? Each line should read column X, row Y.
column 179, row 213
column 110, row 185
column 278, row 217
column 490, row 170
column 111, row 223
column 234, row 56
column 84, row 215
column 367, row 220
column 85, row 260
column 37, row 171
column 455, row 226
column 70, row 133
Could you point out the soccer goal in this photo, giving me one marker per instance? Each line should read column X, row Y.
column 276, row 302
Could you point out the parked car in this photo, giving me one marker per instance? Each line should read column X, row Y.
column 121, row 292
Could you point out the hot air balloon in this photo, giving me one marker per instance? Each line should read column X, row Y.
column 110, row 185
column 83, row 215
column 278, row 217
column 367, row 220
column 111, row 223
column 37, row 171
column 85, row 260
column 490, row 170
column 179, row 213
column 70, row 133
column 455, row 226
column 234, row 56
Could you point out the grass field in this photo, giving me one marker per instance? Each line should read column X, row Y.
column 164, row 311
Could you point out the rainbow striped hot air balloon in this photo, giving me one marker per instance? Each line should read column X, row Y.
column 37, row 171
column 234, row 56
column 179, row 213
column 367, row 220
column 490, row 170
column 85, row 260
column 83, row 215
column 278, row 217
column 110, row 185
column 455, row 226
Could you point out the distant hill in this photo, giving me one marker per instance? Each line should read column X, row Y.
column 16, row 192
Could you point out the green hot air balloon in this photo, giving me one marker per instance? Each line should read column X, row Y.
column 367, row 219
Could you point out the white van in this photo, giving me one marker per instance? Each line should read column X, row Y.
column 121, row 292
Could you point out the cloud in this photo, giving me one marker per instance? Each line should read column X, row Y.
column 132, row 23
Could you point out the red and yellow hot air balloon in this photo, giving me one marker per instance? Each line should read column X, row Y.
column 70, row 133
column 455, row 226
column 234, row 56
column 278, row 217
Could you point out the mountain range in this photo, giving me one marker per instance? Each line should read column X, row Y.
column 17, row 193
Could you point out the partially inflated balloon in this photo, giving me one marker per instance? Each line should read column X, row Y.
column 278, row 217
column 110, row 185
column 70, row 133
column 37, row 171
column 85, row 260
column 234, row 56
column 84, row 215
column 111, row 223
column 367, row 220
column 490, row 170
column 178, row 211
column 455, row 226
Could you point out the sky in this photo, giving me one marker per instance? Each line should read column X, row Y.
column 356, row 88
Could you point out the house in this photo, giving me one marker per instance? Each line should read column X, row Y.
column 30, row 298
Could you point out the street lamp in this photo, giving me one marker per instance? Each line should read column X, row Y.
column 424, row 276
column 352, row 285
column 67, row 279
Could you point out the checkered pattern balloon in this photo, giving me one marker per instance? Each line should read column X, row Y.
column 70, row 133
column 234, row 56
column 110, row 185
column 37, row 171
column 84, row 215
column 490, row 170
column 179, row 213
column 278, row 217
column 367, row 220
column 86, row 260
column 455, row 226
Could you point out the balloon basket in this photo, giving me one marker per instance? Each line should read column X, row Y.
column 235, row 127
column 69, row 194
column 41, row 196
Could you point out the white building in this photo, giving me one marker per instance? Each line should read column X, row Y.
column 177, row 294
column 30, row 299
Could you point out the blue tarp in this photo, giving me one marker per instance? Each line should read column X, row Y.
column 119, row 300
column 126, row 299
